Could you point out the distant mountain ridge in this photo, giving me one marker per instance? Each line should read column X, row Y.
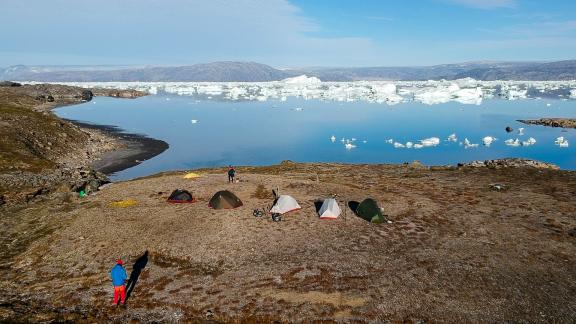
column 256, row 72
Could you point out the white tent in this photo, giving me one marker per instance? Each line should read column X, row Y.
column 329, row 209
column 285, row 204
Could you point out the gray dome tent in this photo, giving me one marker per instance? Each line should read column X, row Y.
column 181, row 196
column 224, row 200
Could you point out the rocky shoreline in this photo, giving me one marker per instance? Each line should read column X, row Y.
column 42, row 153
column 551, row 122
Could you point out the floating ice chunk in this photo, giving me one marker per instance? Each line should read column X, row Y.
column 488, row 140
column 298, row 109
column 562, row 142
column 418, row 146
column 513, row 142
column 389, row 141
column 432, row 141
column 548, row 105
column 409, row 144
column 302, row 79
column 521, row 131
column 573, row 93
column 467, row 144
column 167, row 99
column 364, row 141
column 398, row 145
column 349, row 146
column 333, row 138
column 452, row 138
column 353, row 139
column 531, row 141
column 194, row 121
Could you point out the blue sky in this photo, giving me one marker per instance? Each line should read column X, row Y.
column 285, row 33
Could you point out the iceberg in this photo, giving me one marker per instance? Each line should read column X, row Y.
column 513, row 142
column 452, row 138
column 573, row 93
column 349, row 146
column 409, row 144
column 467, row 144
column 488, row 140
column 520, row 131
column 398, row 145
column 418, row 146
column 302, row 79
column 561, row 142
column 333, row 138
column 432, row 141
column 531, row 141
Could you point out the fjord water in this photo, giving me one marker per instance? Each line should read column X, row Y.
column 268, row 132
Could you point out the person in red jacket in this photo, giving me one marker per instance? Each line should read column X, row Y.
column 118, row 275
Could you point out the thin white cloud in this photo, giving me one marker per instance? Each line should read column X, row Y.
column 486, row 4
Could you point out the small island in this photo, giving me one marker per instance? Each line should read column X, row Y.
column 552, row 122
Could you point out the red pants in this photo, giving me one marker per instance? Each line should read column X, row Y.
column 119, row 293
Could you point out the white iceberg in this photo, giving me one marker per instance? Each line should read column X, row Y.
column 398, row 145
column 531, row 141
column 194, row 121
column 389, row 141
column 409, row 144
column 573, row 93
column 432, row 141
column 349, row 146
column 561, row 142
column 521, row 131
column 418, row 146
column 488, row 140
column 452, row 138
column 333, row 138
column 467, row 144
column 513, row 142
column 302, row 79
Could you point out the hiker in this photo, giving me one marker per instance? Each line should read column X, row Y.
column 118, row 275
column 231, row 174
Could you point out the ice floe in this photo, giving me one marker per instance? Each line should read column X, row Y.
column 194, row 121
column 513, row 142
column 531, row 141
column 432, row 141
column 488, row 140
column 333, row 138
column 468, row 144
column 466, row 91
column 520, row 131
column 452, row 138
column 562, row 142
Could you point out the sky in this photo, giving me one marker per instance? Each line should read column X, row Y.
column 285, row 33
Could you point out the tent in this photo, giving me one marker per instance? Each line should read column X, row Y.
column 369, row 210
column 284, row 204
column 224, row 200
column 181, row 196
column 329, row 209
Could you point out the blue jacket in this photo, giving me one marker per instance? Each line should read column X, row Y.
column 118, row 275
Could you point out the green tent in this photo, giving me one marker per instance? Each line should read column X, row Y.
column 224, row 200
column 370, row 211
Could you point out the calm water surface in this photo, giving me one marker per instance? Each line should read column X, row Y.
column 263, row 133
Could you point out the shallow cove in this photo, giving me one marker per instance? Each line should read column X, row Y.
column 263, row 133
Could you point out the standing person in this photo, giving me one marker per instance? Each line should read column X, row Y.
column 118, row 275
column 231, row 174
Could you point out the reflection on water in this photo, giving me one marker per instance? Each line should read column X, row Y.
column 210, row 133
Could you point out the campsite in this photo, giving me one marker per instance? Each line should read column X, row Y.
column 455, row 249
